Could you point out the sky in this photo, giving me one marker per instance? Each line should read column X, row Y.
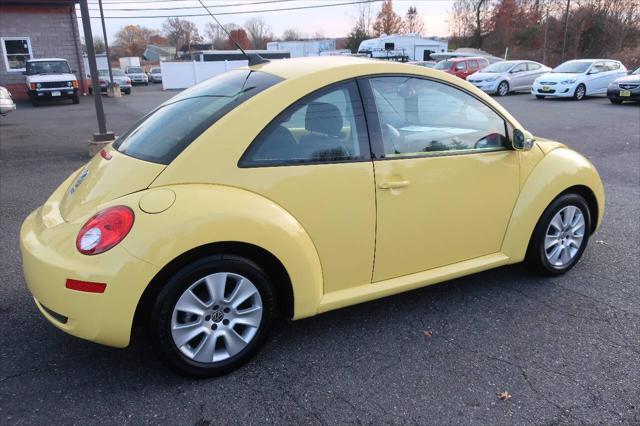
column 333, row 21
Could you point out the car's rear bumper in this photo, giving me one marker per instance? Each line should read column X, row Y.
column 50, row 258
column 7, row 105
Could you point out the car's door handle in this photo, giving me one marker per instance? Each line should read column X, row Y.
column 393, row 184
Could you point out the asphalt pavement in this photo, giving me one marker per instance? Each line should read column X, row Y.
column 566, row 349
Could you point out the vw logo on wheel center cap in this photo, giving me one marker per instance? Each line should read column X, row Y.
column 217, row 316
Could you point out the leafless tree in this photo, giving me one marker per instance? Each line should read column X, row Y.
column 182, row 33
column 259, row 32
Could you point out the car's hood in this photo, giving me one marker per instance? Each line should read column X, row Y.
column 103, row 180
column 483, row 75
column 45, row 78
column 628, row 79
column 557, row 77
column 136, row 74
column 547, row 145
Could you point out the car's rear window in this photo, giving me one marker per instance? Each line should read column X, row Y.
column 165, row 132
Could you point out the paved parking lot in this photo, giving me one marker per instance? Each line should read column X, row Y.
column 567, row 349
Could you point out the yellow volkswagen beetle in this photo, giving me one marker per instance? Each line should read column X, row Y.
column 295, row 187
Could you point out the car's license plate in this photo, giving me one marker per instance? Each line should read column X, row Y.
column 546, row 88
column 55, row 93
column 625, row 93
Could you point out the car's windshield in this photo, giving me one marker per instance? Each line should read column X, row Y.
column 573, row 67
column 155, row 70
column 443, row 65
column 118, row 73
column 48, row 67
column 499, row 67
column 165, row 132
column 103, row 73
column 636, row 72
column 134, row 70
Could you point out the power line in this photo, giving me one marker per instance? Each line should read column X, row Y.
column 237, row 13
column 179, row 1
column 191, row 7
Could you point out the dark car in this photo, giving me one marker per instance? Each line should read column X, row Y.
column 625, row 88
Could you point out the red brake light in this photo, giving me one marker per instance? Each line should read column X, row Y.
column 105, row 230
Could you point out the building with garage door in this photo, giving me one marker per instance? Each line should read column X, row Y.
column 31, row 29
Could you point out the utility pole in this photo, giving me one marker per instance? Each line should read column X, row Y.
column 111, row 84
column 102, row 137
column 546, row 32
column 566, row 26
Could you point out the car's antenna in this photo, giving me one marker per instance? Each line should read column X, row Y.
column 254, row 58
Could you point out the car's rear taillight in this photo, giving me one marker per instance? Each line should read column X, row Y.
column 105, row 230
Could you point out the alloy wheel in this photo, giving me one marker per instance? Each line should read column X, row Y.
column 503, row 88
column 580, row 92
column 216, row 317
column 564, row 236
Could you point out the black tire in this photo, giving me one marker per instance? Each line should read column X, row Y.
column 161, row 313
column 35, row 102
column 498, row 91
column 75, row 99
column 536, row 257
column 539, row 96
column 615, row 101
column 580, row 93
column 146, row 84
column 91, row 90
column 127, row 92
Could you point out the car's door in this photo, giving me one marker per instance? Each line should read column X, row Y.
column 597, row 78
column 314, row 160
column 460, row 69
column 519, row 76
column 446, row 178
column 535, row 70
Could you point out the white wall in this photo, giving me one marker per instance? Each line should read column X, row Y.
column 180, row 75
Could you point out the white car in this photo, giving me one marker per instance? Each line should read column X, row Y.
column 118, row 76
column 137, row 75
column 508, row 76
column 6, row 102
column 50, row 78
column 578, row 78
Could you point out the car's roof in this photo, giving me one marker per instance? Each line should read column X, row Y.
column 46, row 59
column 465, row 58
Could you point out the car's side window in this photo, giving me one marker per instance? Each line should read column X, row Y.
column 424, row 117
column 612, row 66
column 520, row 68
column 533, row 67
column 461, row 66
column 473, row 65
column 327, row 126
column 598, row 67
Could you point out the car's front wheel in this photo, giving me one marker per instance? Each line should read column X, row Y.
column 561, row 235
column 212, row 316
column 539, row 96
column 580, row 92
column 615, row 101
column 503, row 88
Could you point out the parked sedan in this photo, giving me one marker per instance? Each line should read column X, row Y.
column 426, row 64
column 137, row 75
column 625, row 88
column 155, row 75
column 578, row 78
column 294, row 188
column 118, row 76
column 509, row 76
column 6, row 102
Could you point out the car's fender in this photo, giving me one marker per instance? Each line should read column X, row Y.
column 559, row 170
column 203, row 214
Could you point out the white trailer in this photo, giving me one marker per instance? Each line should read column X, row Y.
column 303, row 48
column 405, row 47
column 101, row 62
column 129, row 61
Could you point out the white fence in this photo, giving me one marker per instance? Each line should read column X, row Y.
column 180, row 75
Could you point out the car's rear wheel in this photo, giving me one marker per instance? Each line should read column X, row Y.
column 503, row 88
column 539, row 96
column 580, row 92
column 615, row 101
column 561, row 235
column 212, row 316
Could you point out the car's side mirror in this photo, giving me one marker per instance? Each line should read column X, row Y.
column 522, row 141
